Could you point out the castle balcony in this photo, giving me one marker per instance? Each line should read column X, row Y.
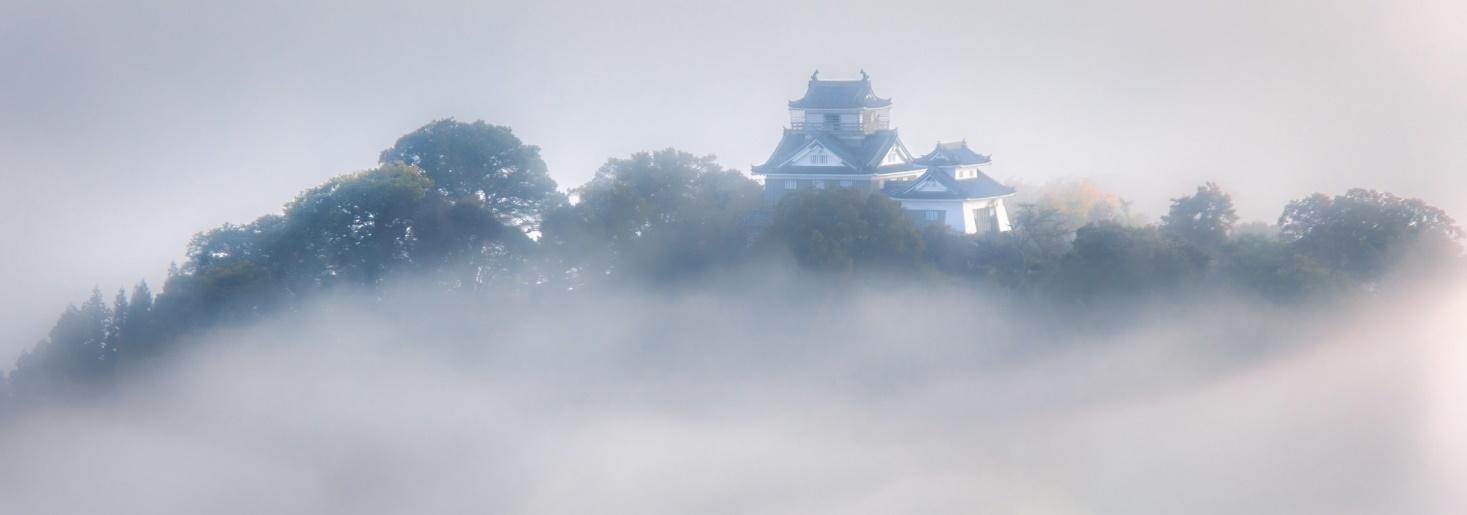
column 847, row 127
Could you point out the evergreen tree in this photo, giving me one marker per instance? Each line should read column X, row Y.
column 132, row 321
column 72, row 353
column 140, row 306
column 115, row 327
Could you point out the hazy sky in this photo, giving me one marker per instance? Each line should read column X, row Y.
column 126, row 127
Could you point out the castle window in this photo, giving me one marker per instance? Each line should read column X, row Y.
column 790, row 184
column 817, row 158
column 932, row 216
column 845, row 184
column 832, row 121
column 819, row 185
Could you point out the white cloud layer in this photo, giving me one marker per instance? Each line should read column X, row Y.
column 805, row 400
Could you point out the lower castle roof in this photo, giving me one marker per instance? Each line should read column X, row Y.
column 938, row 184
column 861, row 156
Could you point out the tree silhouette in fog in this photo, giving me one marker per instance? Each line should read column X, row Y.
column 479, row 162
column 656, row 216
column 469, row 207
column 1363, row 232
column 1203, row 219
column 840, row 228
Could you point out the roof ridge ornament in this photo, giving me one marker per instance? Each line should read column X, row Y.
column 815, row 76
column 865, row 77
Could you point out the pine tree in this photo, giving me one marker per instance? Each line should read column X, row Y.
column 134, row 332
column 73, row 349
column 116, row 326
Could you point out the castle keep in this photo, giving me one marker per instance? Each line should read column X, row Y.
column 840, row 136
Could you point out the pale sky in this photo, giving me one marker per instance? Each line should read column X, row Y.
column 128, row 126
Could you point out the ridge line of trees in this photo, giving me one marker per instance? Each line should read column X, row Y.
column 458, row 203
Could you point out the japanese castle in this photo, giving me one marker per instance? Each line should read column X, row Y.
column 840, row 135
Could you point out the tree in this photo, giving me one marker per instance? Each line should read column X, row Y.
column 4, row 395
column 133, row 332
column 655, row 215
column 120, row 311
column 72, row 353
column 1021, row 258
column 1264, row 265
column 949, row 251
column 1111, row 258
column 1203, row 219
column 483, row 163
column 1040, row 235
column 465, row 245
column 1363, row 232
column 1079, row 202
column 353, row 229
column 840, row 228
column 83, row 337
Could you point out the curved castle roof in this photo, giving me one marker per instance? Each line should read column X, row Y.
column 859, row 156
column 839, row 94
column 953, row 153
column 938, row 184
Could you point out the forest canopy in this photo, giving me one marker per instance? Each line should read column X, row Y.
column 470, row 208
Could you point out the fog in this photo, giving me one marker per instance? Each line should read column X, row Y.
column 127, row 127
column 777, row 396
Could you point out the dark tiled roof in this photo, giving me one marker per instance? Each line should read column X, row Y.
column 839, row 94
column 981, row 186
column 847, row 154
column 865, row 155
column 792, row 142
column 953, row 153
column 875, row 147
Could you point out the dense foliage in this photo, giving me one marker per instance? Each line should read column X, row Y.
column 654, row 216
column 841, row 229
column 471, row 208
column 481, row 162
column 1203, row 219
column 1364, row 232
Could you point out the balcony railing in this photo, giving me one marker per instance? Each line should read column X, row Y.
column 832, row 127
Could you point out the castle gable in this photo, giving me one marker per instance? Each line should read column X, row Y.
column 817, row 155
column 814, row 152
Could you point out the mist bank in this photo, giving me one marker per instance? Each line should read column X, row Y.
column 780, row 395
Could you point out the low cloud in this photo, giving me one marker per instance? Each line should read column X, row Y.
column 764, row 399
